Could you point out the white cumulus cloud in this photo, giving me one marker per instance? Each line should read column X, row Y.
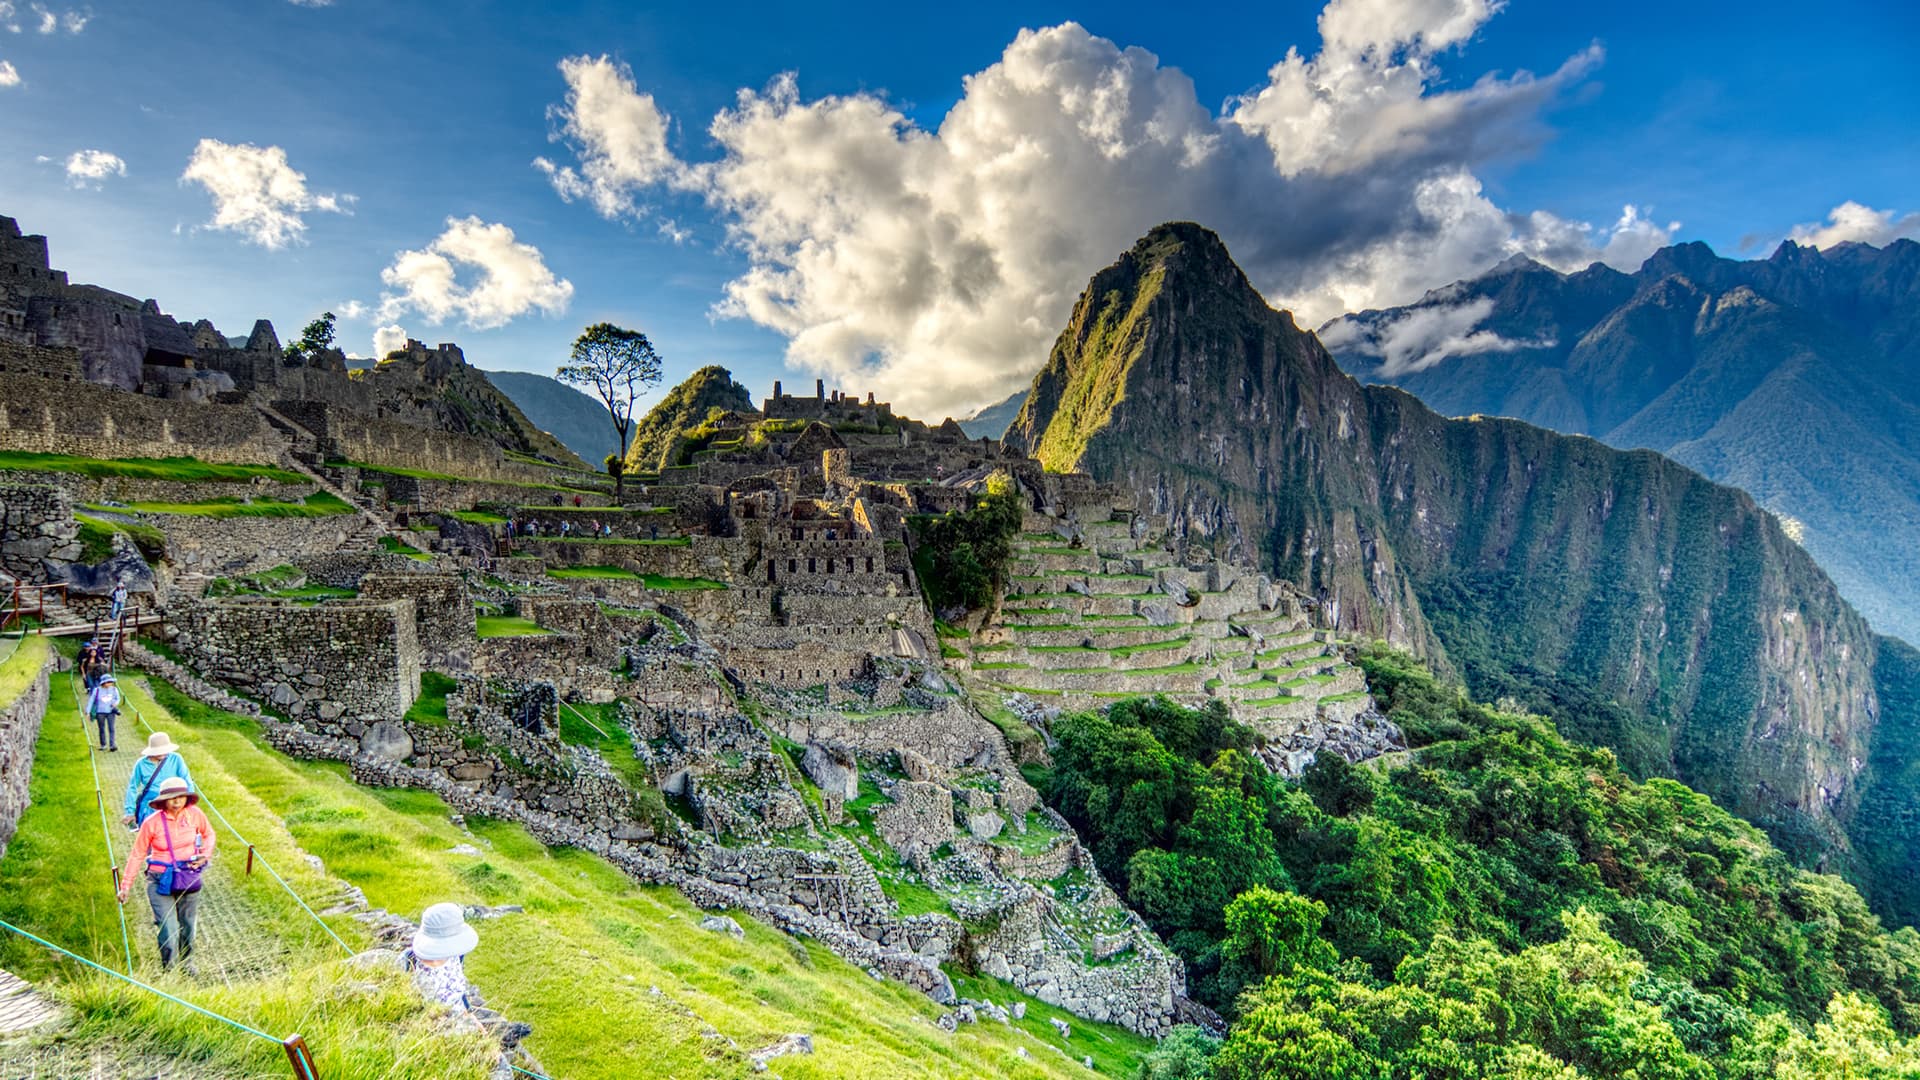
column 618, row 134
column 504, row 278
column 1851, row 222
column 9, row 75
column 936, row 266
column 1422, row 336
column 49, row 20
column 256, row 193
column 90, row 168
column 388, row 339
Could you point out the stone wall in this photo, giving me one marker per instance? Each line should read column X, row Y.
column 19, row 730
column 129, row 489
column 346, row 569
column 39, row 535
column 336, row 667
column 50, row 416
column 243, row 545
column 443, row 614
column 60, row 365
column 352, row 436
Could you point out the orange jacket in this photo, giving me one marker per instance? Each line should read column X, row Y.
column 151, row 841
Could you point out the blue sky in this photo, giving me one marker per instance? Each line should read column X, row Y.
column 847, row 239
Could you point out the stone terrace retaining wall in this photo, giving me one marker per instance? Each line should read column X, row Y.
column 442, row 610
column 338, row 666
column 19, row 730
column 127, row 489
column 346, row 569
column 37, row 531
column 49, row 416
column 241, row 545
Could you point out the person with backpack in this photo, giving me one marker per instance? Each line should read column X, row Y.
column 118, row 598
column 103, row 704
column 159, row 761
column 171, row 850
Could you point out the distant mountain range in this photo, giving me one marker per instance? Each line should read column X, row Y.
column 1643, row 606
column 567, row 414
column 991, row 421
column 1795, row 378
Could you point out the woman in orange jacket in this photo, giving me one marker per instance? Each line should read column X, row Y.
column 171, row 848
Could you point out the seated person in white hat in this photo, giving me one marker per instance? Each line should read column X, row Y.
column 439, row 947
column 160, row 760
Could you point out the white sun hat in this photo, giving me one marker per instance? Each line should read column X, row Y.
column 444, row 934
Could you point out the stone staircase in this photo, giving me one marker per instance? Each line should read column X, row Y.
column 302, row 455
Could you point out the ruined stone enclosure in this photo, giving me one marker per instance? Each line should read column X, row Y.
column 728, row 680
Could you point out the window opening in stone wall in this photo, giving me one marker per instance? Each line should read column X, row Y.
column 811, row 568
column 793, row 566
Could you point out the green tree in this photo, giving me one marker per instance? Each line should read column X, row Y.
column 1182, row 1055
column 314, row 340
column 618, row 365
column 1275, row 932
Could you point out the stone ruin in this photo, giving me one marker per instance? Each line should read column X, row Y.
column 728, row 681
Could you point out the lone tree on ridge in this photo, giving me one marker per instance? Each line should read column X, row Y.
column 618, row 365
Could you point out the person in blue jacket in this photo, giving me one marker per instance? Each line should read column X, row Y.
column 160, row 760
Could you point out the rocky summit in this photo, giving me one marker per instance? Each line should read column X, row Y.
column 1644, row 606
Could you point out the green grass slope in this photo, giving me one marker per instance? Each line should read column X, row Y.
column 617, row 979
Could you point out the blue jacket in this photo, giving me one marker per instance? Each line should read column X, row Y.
column 145, row 768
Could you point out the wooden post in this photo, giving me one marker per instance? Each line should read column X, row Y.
column 301, row 1058
column 249, row 860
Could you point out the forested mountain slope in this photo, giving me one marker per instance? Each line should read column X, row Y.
column 1645, row 607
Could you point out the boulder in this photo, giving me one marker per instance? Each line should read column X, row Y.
column 833, row 768
column 722, row 924
column 385, row 740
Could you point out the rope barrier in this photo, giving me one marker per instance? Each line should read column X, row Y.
column 262, row 860
column 253, row 853
column 106, row 834
column 583, row 719
column 136, row 982
column 528, row 1072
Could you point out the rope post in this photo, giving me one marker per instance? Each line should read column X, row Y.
column 301, row 1058
column 249, row 860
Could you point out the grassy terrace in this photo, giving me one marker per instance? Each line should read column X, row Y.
column 20, row 666
column 430, row 708
column 423, row 474
column 318, row 504
column 657, row 582
column 493, row 626
column 1117, row 650
column 191, row 470
column 397, row 547
column 578, row 724
column 581, row 964
column 96, row 537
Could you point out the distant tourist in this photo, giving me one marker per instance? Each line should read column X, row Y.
column 171, row 849
column 511, row 524
column 566, row 529
column 89, row 655
column 118, row 598
column 437, row 958
column 159, row 762
column 104, row 706
column 96, row 668
column 576, row 502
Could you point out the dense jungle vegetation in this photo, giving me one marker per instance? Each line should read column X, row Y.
column 1497, row 902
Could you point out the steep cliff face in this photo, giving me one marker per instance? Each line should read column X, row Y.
column 1650, row 609
column 1790, row 377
